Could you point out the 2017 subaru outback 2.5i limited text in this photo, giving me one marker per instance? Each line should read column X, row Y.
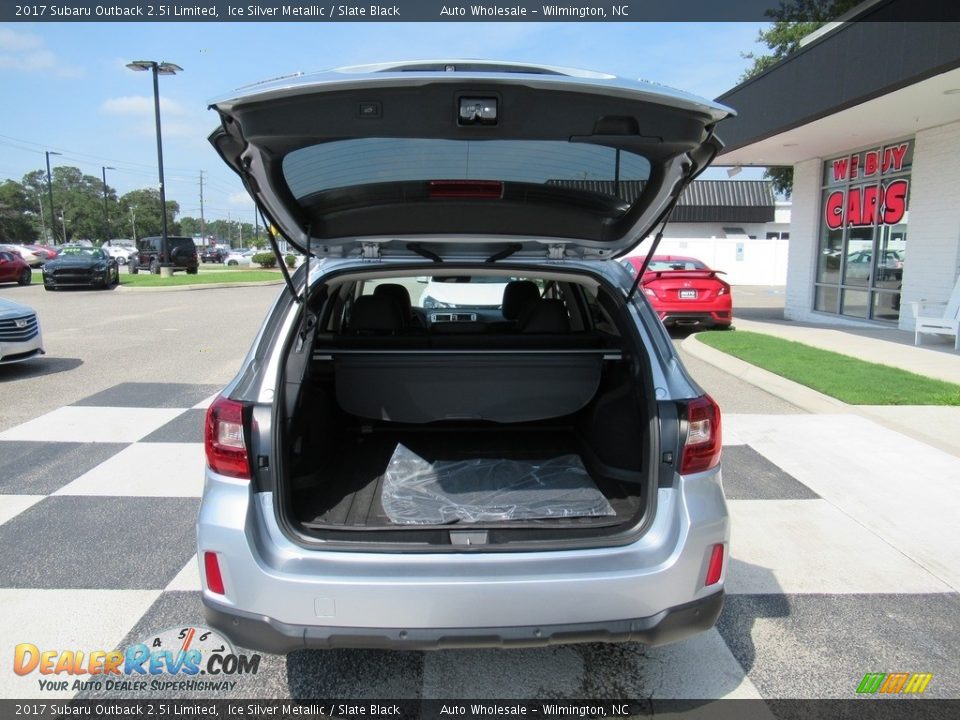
column 529, row 469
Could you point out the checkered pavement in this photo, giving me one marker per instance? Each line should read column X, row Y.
column 845, row 560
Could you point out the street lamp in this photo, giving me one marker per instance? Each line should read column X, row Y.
column 53, row 232
column 162, row 68
column 106, row 219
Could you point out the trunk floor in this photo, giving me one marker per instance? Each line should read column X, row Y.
column 349, row 492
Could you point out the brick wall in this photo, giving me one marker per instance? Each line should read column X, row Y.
column 804, row 226
column 933, row 228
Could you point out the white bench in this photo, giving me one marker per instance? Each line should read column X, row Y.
column 939, row 318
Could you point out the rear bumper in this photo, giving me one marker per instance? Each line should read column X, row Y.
column 279, row 595
column 718, row 318
column 268, row 635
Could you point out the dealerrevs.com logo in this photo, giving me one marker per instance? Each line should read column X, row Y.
column 171, row 660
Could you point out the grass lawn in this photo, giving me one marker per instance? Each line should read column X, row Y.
column 202, row 278
column 846, row 378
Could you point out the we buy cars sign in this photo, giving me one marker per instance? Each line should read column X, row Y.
column 881, row 202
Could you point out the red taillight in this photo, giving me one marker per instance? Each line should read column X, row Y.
column 715, row 568
column 467, row 189
column 649, row 291
column 211, row 568
column 701, row 451
column 223, row 439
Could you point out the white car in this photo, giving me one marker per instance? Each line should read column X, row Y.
column 123, row 251
column 29, row 257
column 240, row 257
column 20, row 336
column 466, row 292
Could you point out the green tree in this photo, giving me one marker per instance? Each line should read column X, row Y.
column 16, row 214
column 190, row 226
column 140, row 210
column 77, row 203
column 792, row 21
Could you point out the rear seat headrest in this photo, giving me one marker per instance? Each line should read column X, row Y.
column 396, row 293
column 547, row 316
column 375, row 314
column 518, row 296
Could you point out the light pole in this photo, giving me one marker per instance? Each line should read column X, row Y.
column 161, row 68
column 53, row 233
column 63, row 224
column 106, row 219
column 43, row 224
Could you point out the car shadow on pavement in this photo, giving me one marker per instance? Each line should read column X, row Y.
column 38, row 367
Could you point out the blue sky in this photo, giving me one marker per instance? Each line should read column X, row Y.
column 67, row 88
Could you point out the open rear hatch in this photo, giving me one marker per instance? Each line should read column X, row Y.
column 463, row 160
column 469, row 165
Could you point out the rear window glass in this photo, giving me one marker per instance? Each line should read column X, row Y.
column 365, row 161
column 660, row 265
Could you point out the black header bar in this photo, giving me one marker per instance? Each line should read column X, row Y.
column 430, row 11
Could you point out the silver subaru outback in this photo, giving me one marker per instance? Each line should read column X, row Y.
column 461, row 424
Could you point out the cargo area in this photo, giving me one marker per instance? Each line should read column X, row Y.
column 403, row 433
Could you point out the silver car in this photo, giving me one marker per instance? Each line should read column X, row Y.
column 20, row 335
column 533, row 469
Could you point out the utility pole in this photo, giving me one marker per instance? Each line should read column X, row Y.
column 43, row 224
column 53, row 220
column 203, row 225
column 106, row 216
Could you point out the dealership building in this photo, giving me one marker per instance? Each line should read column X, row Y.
column 867, row 112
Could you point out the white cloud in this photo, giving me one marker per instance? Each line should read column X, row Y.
column 24, row 52
column 11, row 41
column 139, row 105
column 240, row 198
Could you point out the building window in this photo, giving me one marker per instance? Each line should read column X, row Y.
column 863, row 232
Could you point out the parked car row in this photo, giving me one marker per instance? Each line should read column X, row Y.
column 33, row 255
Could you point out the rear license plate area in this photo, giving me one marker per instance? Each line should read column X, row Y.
column 688, row 294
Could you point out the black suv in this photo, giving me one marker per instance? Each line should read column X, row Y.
column 183, row 254
column 214, row 255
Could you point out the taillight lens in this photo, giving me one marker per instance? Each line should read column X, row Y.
column 724, row 289
column 223, row 439
column 715, row 568
column 701, row 451
column 649, row 292
column 211, row 568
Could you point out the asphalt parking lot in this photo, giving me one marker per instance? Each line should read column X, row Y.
column 101, row 472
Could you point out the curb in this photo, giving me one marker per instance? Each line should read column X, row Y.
column 199, row 286
column 794, row 393
column 806, row 398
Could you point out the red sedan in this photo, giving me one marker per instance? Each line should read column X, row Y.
column 13, row 268
column 684, row 291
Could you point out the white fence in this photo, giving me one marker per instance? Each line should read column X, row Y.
column 745, row 262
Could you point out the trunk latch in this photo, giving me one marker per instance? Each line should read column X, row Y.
column 468, row 537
